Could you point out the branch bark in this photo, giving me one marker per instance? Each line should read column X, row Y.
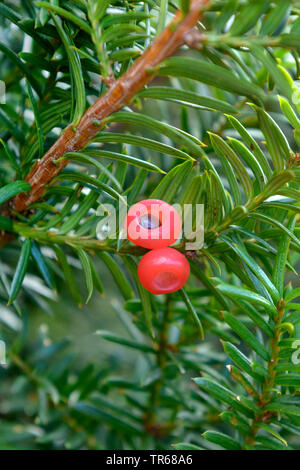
column 119, row 94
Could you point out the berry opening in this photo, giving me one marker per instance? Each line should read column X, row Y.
column 165, row 281
column 153, row 224
column 149, row 221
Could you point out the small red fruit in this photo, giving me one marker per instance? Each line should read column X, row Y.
column 163, row 271
column 153, row 223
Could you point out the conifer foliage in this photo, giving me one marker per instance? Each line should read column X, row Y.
column 190, row 102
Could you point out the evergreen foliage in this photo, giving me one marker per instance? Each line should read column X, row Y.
column 216, row 365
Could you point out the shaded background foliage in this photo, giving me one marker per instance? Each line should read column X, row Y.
column 128, row 370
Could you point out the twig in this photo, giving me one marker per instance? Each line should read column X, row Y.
column 118, row 95
column 265, row 397
column 152, row 424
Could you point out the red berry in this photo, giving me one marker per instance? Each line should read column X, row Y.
column 163, row 271
column 153, row 223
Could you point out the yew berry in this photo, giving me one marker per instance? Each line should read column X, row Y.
column 163, row 271
column 153, row 223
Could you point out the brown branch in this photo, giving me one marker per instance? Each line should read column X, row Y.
column 265, row 396
column 119, row 94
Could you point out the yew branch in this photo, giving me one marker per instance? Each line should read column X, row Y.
column 119, row 94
